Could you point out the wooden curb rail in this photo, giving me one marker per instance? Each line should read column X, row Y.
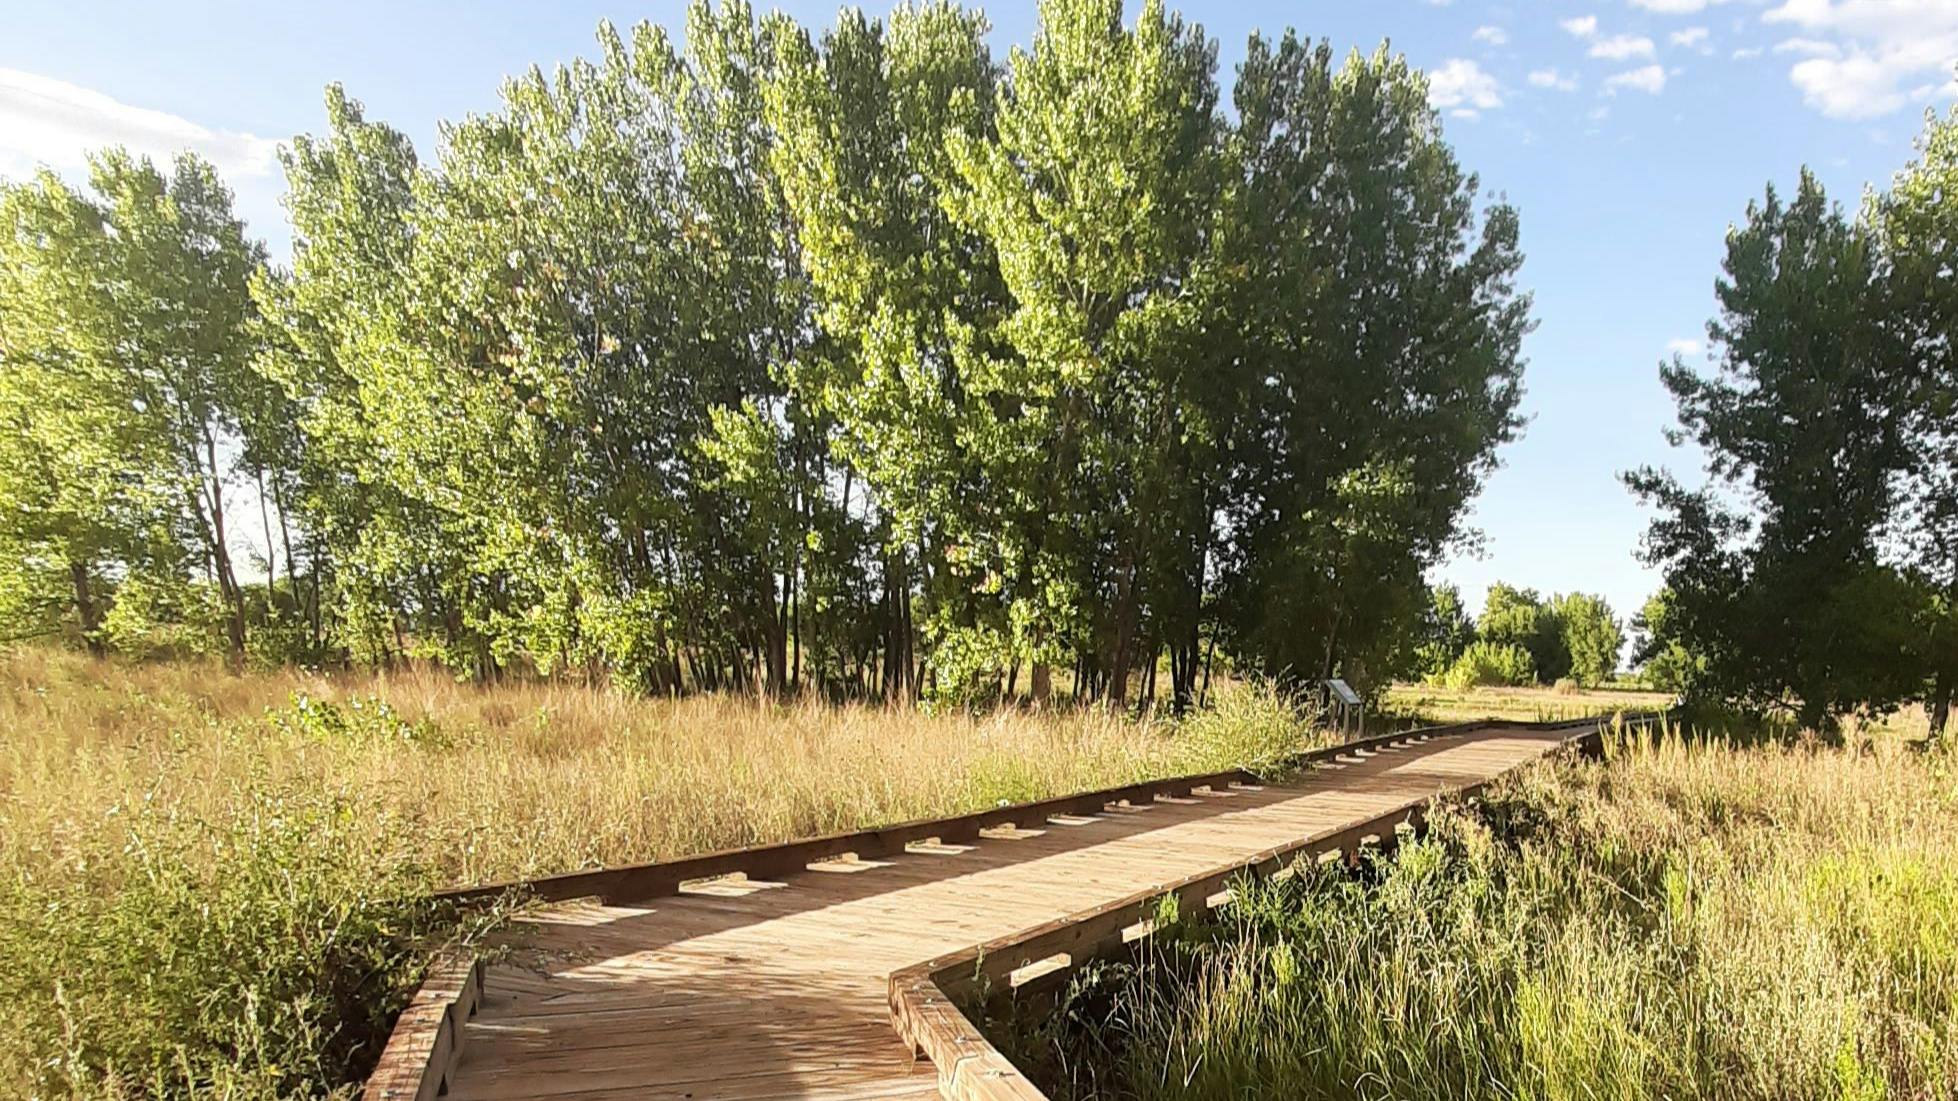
column 424, row 1047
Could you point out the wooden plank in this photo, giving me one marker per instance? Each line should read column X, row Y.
column 422, row 1050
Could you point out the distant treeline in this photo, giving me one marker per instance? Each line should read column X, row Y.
column 1520, row 638
column 858, row 363
column 1817, row 572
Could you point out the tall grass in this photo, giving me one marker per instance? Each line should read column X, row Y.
column 1687, row 920
column 217, row 885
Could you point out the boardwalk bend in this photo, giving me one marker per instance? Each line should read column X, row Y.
column 834, row 968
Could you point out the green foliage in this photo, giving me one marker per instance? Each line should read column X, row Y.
column 1783, row 594
column 1446, row 631
column 1590, row 634
column 124, row 365
column 861, row 363
column 162, row 617
column 261, row 954
column 1918, row 227
column 1665, row 660
column 1520, row 618
column 357, row 719
column 1364, row 435
column 1487, row 662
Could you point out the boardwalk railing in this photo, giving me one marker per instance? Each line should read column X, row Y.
column 925, row 999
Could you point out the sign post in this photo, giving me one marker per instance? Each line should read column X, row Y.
column 1349, row 707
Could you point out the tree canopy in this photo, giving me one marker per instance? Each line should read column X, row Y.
column 1813, row 572
column 856, row 362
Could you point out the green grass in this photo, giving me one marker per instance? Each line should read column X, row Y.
column 1686, row 920
column 217, row 885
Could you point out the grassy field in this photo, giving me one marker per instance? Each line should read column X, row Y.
column 1689, row 919
column 1433, row 703
column 216, row 885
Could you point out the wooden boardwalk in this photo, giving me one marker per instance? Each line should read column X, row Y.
column 757, row 990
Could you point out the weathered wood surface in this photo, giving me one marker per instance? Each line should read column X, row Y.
column 790, row 987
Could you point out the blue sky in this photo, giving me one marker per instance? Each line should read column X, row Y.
column 1630, row 133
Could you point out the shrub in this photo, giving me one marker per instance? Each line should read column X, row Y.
column 357, row 719
column 257, row 954
column 151, row 619
column 1494, row 664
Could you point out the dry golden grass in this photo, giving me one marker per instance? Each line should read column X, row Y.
column 522, row 779
column 1435, row 703
column 218, row 885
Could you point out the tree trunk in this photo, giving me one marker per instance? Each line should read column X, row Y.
column 1940, row 705
column 1042, row 683
column 221, row 553
column 1209, row 659
column 1125, row 615
column 265, row 523
column 85, row 606
column 285, row 540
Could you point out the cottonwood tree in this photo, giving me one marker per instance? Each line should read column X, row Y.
column 74, row 509
column 856, row 363
column 376, row 556
column 1379, row 329
column 1098, row 190
column 1522, row 618
column 911, row 304
column 1918, row 226
column 1660, row 654
column 1446, row 630
column 1774, row 570
column 127, row 344
column 1591, row 636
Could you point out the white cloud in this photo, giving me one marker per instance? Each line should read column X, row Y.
column 1619, row 47
column 1650, row 79
column 1461, row 83
column 1494, row 36
column 1553, row 78
column 1581, row 27
column 1748, row 53
column 50, row 122
column 1684, row 347
column 1808, row 47
column 1691, row 38
column 1675, row 7
column 1865, row 58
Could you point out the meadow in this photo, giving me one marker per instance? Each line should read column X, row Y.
column 1690, row 918
column 217, row 884
column 1422, row 701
